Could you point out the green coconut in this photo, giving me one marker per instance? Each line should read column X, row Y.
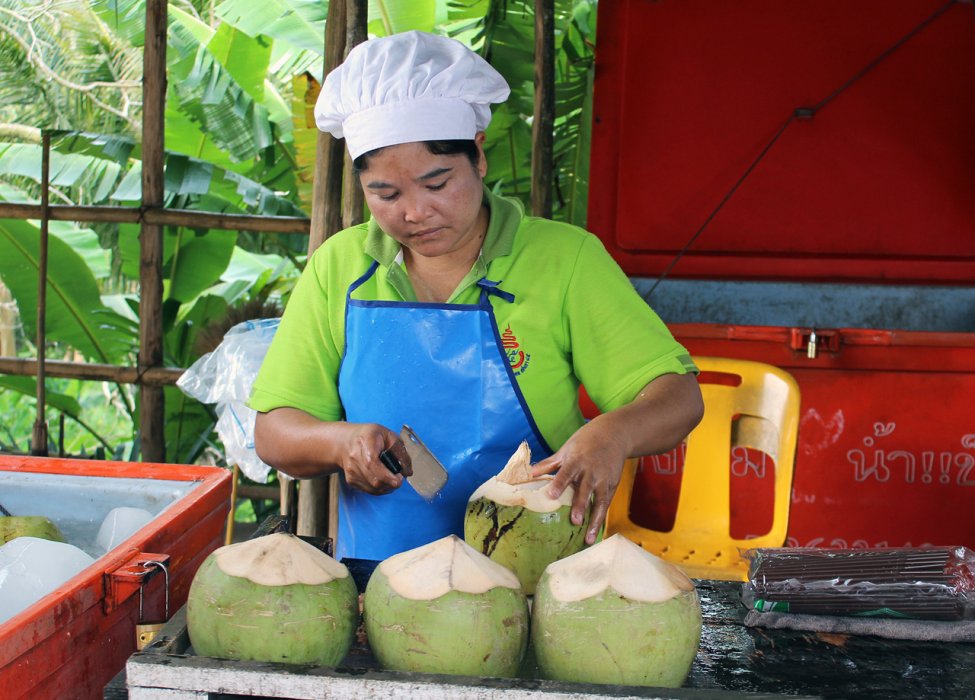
column 616, row 614
column 511, row 519
column 446, row 608
column 273, row 598
column 14, row 526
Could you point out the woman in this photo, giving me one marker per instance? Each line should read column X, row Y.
column 455, row 313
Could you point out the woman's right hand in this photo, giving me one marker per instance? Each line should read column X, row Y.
column 360, row 460
column 304, row 447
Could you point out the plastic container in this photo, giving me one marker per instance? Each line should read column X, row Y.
column 74, row 640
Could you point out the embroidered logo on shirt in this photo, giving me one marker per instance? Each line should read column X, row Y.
column 517, row 358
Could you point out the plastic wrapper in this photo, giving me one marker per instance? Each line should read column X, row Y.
column 921, row 583
column 224, row 377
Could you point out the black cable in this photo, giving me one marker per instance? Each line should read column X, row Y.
column 801, row 113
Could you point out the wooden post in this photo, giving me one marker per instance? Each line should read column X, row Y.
column 38, row 442
column 544, row 119
column 353, row 201
column 326, row 219
column 326, row 208
column 152, row 409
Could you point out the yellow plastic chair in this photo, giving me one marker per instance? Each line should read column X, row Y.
column 762, row 413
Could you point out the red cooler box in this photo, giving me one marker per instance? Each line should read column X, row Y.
column 802, row 177
column 71, row 642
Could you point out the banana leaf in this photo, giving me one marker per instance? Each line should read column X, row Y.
column 27, row 386
column 198, row 262
column 126, row 18
column 394, row 16
column 300, row 23
column 96, row 175
column 75, row 315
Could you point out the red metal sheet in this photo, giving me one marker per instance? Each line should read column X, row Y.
column 876, row 186
column 66, row 644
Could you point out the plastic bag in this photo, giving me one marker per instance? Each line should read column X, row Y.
column 924, row 583
column 224, row 377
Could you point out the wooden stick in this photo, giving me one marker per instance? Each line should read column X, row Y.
column 159, row 216
column 353, row 200
column 38, row 446
column 544, row 118
column 156, row 376
column 152, row 413
column 326, row 219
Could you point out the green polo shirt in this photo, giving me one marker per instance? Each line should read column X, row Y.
column 575, row 319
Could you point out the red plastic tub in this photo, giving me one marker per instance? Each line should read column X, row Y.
column 73, row 641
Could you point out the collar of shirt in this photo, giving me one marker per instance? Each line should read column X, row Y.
column 505, row 217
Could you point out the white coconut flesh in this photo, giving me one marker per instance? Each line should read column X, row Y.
column 532, row 495
column 279, row 559
column 446, row 565
column 618, row 564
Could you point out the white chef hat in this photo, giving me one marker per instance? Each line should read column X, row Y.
column 408, row 87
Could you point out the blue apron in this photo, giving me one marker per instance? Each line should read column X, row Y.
column 441, row 369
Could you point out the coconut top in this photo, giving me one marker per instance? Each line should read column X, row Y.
column 280, row 559
column 533, row 494
column 515, row 486
column 448, row 564
column 519, row 466
column 619, row 564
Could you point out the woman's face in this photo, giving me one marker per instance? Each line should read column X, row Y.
column 430, row 203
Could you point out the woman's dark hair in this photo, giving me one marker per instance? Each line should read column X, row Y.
column 450, row 147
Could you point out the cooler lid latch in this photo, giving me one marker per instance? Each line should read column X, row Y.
column 131, row 576
column 814, row 341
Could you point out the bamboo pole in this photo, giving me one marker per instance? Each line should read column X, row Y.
column 154, row 376
column 159, row 217
column 326, row 219
column 353, row 200
column 152, row 409
column 326, row 208
column 38, row 442
column 544, row 118
column 8, row 322
column 353, row 206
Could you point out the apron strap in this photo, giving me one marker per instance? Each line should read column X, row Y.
column 489, row 288
column 366, row 275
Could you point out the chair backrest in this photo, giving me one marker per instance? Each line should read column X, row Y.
column 751, row 404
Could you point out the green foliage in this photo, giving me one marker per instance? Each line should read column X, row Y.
column 76, row 317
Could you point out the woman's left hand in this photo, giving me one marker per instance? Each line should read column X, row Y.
column 591, row 461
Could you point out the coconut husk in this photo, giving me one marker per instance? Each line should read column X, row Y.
column 518, row 470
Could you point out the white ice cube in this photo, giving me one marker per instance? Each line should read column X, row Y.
column 30, row 568
column 119, row 525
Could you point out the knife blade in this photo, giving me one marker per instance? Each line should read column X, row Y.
column 429, row 475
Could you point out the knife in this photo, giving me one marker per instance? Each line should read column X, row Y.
column 429, row 475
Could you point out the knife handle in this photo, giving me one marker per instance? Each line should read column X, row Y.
column 389, row 459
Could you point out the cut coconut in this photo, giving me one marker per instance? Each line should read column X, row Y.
column 274, row 598
column 517, row 524
column 445, row 608
column 616, row 613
